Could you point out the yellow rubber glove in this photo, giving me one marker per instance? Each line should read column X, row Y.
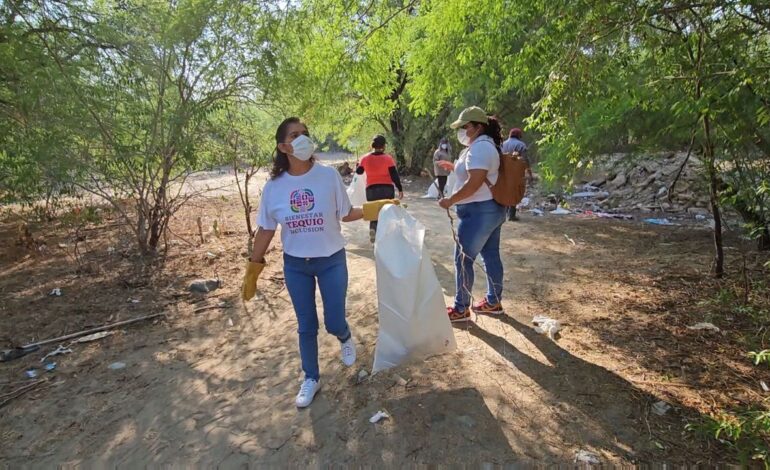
column 253, row 270
column 372, row 209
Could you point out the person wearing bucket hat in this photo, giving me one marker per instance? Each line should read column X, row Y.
column 480, row 216
column 381, row 177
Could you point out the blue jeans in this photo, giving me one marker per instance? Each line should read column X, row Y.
column 332, row 275
column 478, row 233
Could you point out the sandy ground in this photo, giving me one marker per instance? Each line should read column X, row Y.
column 216, row 386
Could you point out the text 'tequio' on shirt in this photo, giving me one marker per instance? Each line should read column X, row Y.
column 309, row 209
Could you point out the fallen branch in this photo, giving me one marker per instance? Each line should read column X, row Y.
column 19, row 392
column 211, row 307
column 667, row 384
column 35, row 346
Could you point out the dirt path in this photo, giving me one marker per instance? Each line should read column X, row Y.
column 216, row 387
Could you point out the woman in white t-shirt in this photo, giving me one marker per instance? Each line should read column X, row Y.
column 481, row 217
column 308, row 200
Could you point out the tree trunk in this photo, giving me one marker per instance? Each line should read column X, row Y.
column 396, row 119
column 160, row 210
column 397, row 131
column 247, row 204
column 763, row 242
column 421, row 152
column 708, row 151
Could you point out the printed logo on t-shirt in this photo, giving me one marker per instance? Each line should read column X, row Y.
column 302, row 202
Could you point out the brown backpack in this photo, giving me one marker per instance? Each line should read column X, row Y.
column 510, row 186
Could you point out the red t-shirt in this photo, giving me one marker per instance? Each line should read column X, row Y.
column 377, row 168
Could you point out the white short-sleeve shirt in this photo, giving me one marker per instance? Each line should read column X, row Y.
column 481, row 155
column 309, row 209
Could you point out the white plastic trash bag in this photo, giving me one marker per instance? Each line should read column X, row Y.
column 432, row 191
column 450, row 184
column 357, row 190
column 449, row 189
column 412, row 313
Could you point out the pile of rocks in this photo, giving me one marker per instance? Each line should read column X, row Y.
column 623, row 182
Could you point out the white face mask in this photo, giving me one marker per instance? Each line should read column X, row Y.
column 302, row 148
column 443, row 146
column 462, row 136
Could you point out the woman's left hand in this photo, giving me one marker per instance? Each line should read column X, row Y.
column 448, row 166
column 445, row 203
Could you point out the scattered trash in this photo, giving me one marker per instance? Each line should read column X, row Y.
column 59, row 350
column 63, row 245
column 560, row 211
column 230, row 322
column 583, row 456
column 15, row 353
column 659, row 222
column 704, row 326
column 49, row 366
column 700, row 217
column 55, row 293
column 110, row 250
column 362, row 374
column 221, row 304
column 401, row 381
column 31, row 372
column 585, row 194
column 660, row 408
column 569, row 239
column 204, row 286
column 117, row 365
column 466, row 421
column 537, row 212
column 546, row 325
column 606, row 215
column 211, row 255
column 379, row 416
column 764, row 386
column 134, row 301
column 95, row 336
column 523, row 203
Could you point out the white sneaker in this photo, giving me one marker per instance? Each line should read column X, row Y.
column 306, row 392
column 348, row 350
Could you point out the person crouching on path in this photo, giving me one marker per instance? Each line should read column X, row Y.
column 480, row 216
column 308, row 200
column 381, row 176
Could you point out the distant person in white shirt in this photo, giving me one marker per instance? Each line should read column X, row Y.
column 515, row 144
column 308, row 201
column 443, row 153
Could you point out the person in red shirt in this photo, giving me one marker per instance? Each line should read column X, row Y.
column 381, row 176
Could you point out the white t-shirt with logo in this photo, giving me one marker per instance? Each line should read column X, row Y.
column 481, row 155
column 308, row 208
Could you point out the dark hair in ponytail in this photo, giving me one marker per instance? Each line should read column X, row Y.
column 281, row 160
column 492, row 129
